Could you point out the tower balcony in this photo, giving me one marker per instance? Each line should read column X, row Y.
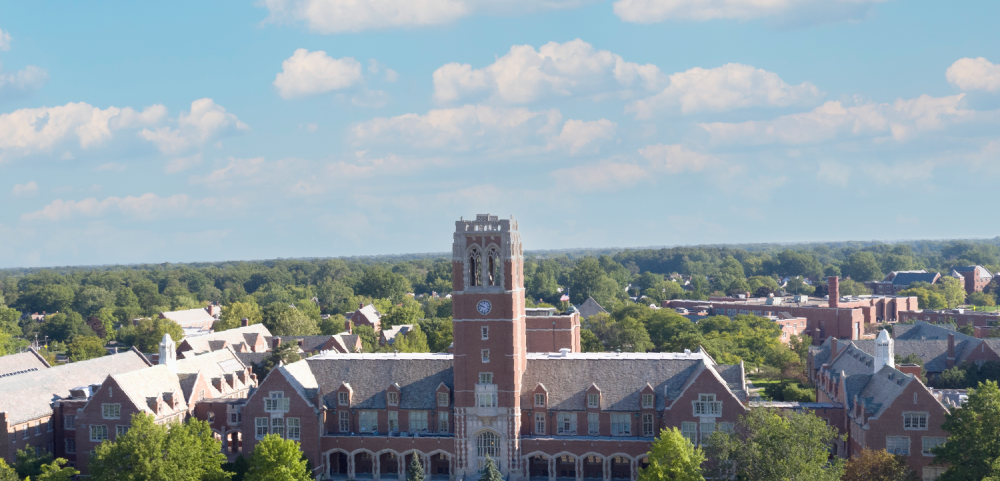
column 486, row 400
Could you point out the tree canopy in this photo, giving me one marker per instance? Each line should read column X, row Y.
column 277, row 459
column 673, row 458
column 973, row 447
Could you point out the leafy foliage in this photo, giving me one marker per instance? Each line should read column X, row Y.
column 673, row 458
column 83, row 348
column 973, row 445
column 415, row 471
column 878, row 465
column 277, row 459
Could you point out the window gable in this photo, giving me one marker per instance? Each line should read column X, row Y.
column 706, row 405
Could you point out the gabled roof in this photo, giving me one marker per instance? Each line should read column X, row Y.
column 921, row 330
column 232, row 337
column 907, row 278
column 144, row 385
column 13, row 364
column 590, row 307
column 390, row 334
column 883, row 388
column 211, row 365
column 418, row 375
column 187, row 317
column 29, row 395
column 369, row 313
column 309, row 343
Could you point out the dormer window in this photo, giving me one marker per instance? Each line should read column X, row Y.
column 392, row 398
column 593, row 400
column 647, row 401
column 342, row 398
column 540, row 400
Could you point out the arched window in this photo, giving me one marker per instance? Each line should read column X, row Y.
column 494, row 271
column 475, row 273
column 488, row 444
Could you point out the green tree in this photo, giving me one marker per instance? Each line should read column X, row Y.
column 862, row 266
column 974, row 436
column 588, row 280
column 379, row 282
column 285, row 320
column 332, row 325
column 850, row 287
column 771, row 445
column 286, row 353
column 85, row 347
column 55, row 471
column 415, row 472
column 952, row 290
column 981, row 299
column 878, row 465
column 147, row 333
column 490, row 471
column 106, row 317
column 127, row 305
column 156, row 452
column 413, row 341
column 369, row 339
column 233, row 314
column 90, row 299
column 7, row 473
column 63, row 327
column 673, row 458
column 797, row 286
column 30, row 464
column 276, row 459
column 589, row 342
column 439, row 333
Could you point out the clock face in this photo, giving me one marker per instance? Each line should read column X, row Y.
column 484, row 307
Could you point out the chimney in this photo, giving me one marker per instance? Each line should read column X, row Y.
column 911, row 369
column 245, row 321
column 361, row 305
column 833, row 347
column 833, row 286
column 348, row 326
column 951, row 350
column 275, row 342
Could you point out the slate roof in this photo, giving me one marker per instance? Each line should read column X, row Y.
column 309, row 343
column 13, row 364
column 233, row 337
column 145, row 384
column 211, row 365
column 882, row 389
column 590, row 307
column 29, row 395
column 189, row 316
column 390, row 334
column 418, row 376
column 907, row 278
column 252, row 358
column 921, row 330
column 619, row 379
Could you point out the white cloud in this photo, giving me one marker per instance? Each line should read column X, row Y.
column 555, row 70
column 337, row 16
column 309, row 73
column 40, row 129
column 29, row 188
column 578, row 135
column 974, row 74
column 205, row 122
column 463, row 128
column 146, row 206
column 834, row 172
column 236, row 168
column 24, row 81
column 901, row 119
column 4, row 41
column 731, row 86
column 674, row 159
column 182, row 163
column 652, row 11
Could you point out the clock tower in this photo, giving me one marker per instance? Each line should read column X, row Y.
column 489, row 349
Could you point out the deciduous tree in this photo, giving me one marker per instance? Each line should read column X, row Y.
column 878, row 465
column 233, row 314
column 276, row 459
column 85, row 347
column 673, row 458
column 974, row 436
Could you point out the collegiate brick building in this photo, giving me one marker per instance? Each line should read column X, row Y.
column 551, row 413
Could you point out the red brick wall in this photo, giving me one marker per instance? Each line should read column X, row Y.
column 550, row 334
column 297, row 407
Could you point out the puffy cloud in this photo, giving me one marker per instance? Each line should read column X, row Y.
column 901, row 119
column 578, row 135
column 652, row 11
column 4, row 41
column 205, row 122
column 40, row 129
column 674, row 159
column 310, row 73
column 23, row 81
column 731, row 86
column 146, row 206
column 974, row 74
column 556, row 69
column 463, row 128
column 29, row 188
column 337, row 16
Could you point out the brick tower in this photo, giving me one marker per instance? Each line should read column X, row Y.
column 489, row 333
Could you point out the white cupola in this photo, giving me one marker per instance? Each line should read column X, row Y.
column 884, row 355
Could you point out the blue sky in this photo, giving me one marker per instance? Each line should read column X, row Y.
column 205, row 131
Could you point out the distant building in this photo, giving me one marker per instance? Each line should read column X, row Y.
column 195, row 321
column 901, row 280
column 961, row 317
column 343, row 343
column 365, row 316
column 252, row 338
column 589, row 308
column 976, row 277
column 28, row 361
column 389, row 336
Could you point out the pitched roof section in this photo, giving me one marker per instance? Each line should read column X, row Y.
column 213, row 365
column 590, row 307
column 390, row 334
column 146, row 385
column 28, row 361
column 620, row 379
column 190, row 317
column 233, row 338
column 29, row 395
column 921, row 330
column 418, row 376
column 907, row 278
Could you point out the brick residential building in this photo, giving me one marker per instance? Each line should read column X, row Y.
column 247, row 338
column 553, row 413
column 976, row 277
column 896, row 281
column 961, row 317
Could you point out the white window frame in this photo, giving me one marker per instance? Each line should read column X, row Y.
column 111, row 411
column 486, row 355
column 540, row 423
column 647, row 424
column 706, row 430
column 594, row 424
column 344, row 421
column 261, row 427
column 443, row 426
column 486, row 378
column 706, row 405
column 276, row 402
column 485, row 331
column 368, row 421
column 593, row 401
column 728, row 428
column 566, row 424
column 69, row 422
column 393, row 421
column 486, row 400
column 915, row 421
column 417, row 421
column 294, row 428
column 647, row 401
column 930, row 442
column 898, row 445
column 621, row 424
column 121, row 430
column 392, row 398
column 70, row 445
column 444, row 399
column 98, row 432
column 539, row 399
column 278, row 427
column 343, row 398
column 690, row 431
